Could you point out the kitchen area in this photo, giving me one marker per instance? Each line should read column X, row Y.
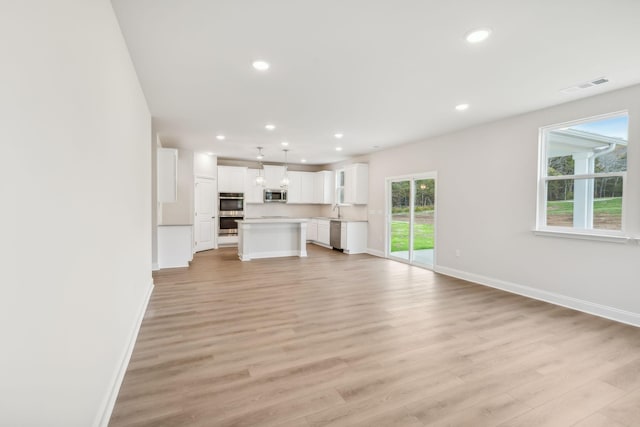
column 265, row 210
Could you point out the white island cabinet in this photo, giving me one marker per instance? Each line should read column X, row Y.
column 271, row 238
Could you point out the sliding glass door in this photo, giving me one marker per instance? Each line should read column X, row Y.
column 411, row 219
column 400, row 220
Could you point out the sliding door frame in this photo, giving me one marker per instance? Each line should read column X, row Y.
column 412, row 178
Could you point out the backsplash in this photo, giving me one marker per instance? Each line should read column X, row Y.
column 304, row 211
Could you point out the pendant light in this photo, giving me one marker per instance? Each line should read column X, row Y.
column 285, row 178
column 260, row 177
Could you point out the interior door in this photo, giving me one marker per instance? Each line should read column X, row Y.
column 205, row 213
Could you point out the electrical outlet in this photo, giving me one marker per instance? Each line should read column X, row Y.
column 458, row 252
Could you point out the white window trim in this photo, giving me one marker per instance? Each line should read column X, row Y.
column 338, row 187
column 542, row 229
column 578, row 234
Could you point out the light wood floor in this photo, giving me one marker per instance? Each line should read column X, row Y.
column 339, row 340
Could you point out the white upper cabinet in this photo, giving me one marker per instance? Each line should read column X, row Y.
column 307, row 187
column 231, row 179
column 273, row 176
column 324, row 187
column 301, row 187
column 167, row 173
column 253, row 192
column 294, row 189
column 356, row 184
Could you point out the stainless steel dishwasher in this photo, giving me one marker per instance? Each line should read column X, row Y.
column 334, row 235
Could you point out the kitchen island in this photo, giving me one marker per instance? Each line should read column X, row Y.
column 271, row 238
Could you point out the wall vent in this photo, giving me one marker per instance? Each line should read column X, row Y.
column 585, row 85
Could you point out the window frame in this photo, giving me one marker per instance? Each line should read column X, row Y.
column 543, row 178
column 339, row 187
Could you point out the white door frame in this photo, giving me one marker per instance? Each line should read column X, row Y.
column 387, row 222
column 214, row 238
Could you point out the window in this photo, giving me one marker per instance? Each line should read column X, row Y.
column 340, row 187
column 583, row 168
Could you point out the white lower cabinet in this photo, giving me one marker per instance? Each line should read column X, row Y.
column 353, row 234
column 323, row 231
column 353, row 237
column 312, row 230
column 175, row 246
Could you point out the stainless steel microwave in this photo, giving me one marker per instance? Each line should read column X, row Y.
column 275, row 196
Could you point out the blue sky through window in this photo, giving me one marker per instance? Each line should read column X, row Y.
column 616, row 127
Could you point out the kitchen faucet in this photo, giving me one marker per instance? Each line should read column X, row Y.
column 337, row 206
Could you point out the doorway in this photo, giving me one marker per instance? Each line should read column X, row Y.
column 411, row 219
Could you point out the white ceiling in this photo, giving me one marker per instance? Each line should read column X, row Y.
column 383, row 72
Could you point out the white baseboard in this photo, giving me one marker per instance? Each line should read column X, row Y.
column 600, row 310
column 103, row 416
column 272, row 254
column 155, row 266
column 376, row 252
column 180, row 265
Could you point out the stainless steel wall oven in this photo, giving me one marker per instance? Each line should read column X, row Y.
column 230, row 209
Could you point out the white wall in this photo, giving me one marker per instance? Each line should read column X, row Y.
column 487, row 209
column 156, row 207
column 180, row 212
column 205, row 165
column 76, row 210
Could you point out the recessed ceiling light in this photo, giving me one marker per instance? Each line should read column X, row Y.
column 338, row 148
column 303, row 160
column 284, row 143
column 479, row 35
column 220, row 137
column 261, row 65
column 269, row 126
column 462, row 107
column 338, row 135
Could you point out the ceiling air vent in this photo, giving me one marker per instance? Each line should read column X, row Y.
column 585, row 85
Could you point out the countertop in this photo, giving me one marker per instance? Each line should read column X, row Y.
column 339, row 219
column 271, row 220
column 284, row 219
